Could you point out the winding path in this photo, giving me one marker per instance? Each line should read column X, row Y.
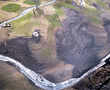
column 26, row 11
column 36, row 78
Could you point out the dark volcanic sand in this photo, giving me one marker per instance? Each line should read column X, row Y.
column 38, row 57
column 81, row 43
column 80, row 46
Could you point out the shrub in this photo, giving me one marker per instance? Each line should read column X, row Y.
column 11, row 7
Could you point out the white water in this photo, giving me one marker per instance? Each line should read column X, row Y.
column 36, row 78
column 41, row 82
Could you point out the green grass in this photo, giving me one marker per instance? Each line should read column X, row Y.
column 54, row 22
column 93, row 15
column 90, row 11
column 59, row 11
column 24, row 26
column 63, row 4
column 30, row 2
column 100, row 3
column 66, row 5
column 53, row 19
column 95, row 20
column 26, row 17
column 11, row 7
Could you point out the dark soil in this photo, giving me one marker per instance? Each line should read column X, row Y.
column 81, row 43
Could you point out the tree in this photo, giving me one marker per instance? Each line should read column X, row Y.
column 37, row 9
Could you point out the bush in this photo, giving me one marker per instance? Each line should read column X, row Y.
column 11, row 7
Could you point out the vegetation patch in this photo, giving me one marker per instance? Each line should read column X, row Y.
column 54, row 20
column 59, row 11
column 66, row 5
column 93, row 15
column 24, row 25
column 26, row 17
column 30, row 2
column 11, row 7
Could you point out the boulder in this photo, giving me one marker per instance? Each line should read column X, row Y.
column 36, row 36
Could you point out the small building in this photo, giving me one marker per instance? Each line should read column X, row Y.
column 36, row 35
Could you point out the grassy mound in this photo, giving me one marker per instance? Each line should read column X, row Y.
column 11, row 7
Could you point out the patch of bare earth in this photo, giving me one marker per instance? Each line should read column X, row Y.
column 43, row 26
column 11, row 79
column 5, row 15
column 48, row 10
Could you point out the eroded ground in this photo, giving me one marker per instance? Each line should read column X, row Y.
column 68, row 48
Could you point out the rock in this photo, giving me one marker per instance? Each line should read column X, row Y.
column 36, row 36
column 96, row 5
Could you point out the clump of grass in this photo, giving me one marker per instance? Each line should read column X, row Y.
column 11, row 7
column 26, row 17
column 65, row 5
column 101, row 3
column 30, row 2
column 54, row 20
column 95, row 20
column 93, row 15
column 59, row 11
